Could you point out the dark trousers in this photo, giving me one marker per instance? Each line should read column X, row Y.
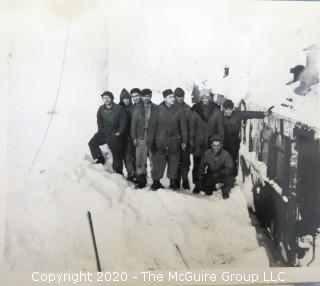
column 209, row 183
column 159, row 161
column 195, row 170
column 129, row 158
column 233, row 150
column 116, row 148
column 184, row 165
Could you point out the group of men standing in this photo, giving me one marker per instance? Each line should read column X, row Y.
column 137, row 129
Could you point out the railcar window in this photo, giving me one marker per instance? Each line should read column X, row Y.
column 266, row 135
column 281, row 158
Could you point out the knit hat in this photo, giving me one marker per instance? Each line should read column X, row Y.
column 215, row 137
column 108, row 93
column 204, row 92
column 146, row 91
column 124, row 94
column 135, row 90
column 179, row 92
column 228, row 104
column 167, row 92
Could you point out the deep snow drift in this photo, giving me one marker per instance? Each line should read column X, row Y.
column 47, row 226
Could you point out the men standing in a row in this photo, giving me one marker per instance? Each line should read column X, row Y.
column 111, row 119
column 167, row 134
column 208, row 121
column 184, row 163
column 139, row 133
column 232, row 126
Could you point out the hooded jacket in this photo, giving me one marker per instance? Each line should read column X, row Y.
column 128, row 109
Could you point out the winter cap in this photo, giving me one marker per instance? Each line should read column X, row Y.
column 124, row 94
column 135, row 90
column 179, row 92
column 215, row 137
column 108, row 93
column 167, row 92
column 146, row 91
column 204, row 92
column 228, row 104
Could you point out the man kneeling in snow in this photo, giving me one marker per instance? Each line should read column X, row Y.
column 216, row 170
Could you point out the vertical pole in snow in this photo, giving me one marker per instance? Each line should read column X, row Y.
column 94, row 242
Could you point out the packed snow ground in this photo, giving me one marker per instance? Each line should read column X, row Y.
column 47, row 226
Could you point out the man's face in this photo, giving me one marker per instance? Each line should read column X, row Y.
column 205, row 99
column 227, row 111
column 135, row 98
column 216, row 146
column 170, row 99
column 146, row 98
column 107, row 100
column 180, row 99
column 126, row 101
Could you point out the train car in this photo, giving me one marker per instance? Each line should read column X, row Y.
column 279, row 169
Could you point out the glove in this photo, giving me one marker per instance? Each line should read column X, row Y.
column 219, row 186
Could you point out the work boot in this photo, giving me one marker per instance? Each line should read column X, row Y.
column 130, row 176
column 177, row 182
column 209, row 192
column 141, row 181
column 225, row 195
column 156, row 185
column 173, row 185
column 135, row 178
column 185, row 184
column 196, row 190
column 100, row 160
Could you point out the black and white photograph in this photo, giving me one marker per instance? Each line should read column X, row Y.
column 147, row 136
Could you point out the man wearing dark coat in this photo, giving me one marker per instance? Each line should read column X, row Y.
column 139, row 133
column 184, row 163
column 232, row 126
column 166, row 135
column 129, row 158
column 136, row 101
column 208, row 121
column 215, row 170
column 111, row 119
column 135, row 97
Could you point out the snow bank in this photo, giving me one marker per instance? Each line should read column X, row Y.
column 47, row 227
